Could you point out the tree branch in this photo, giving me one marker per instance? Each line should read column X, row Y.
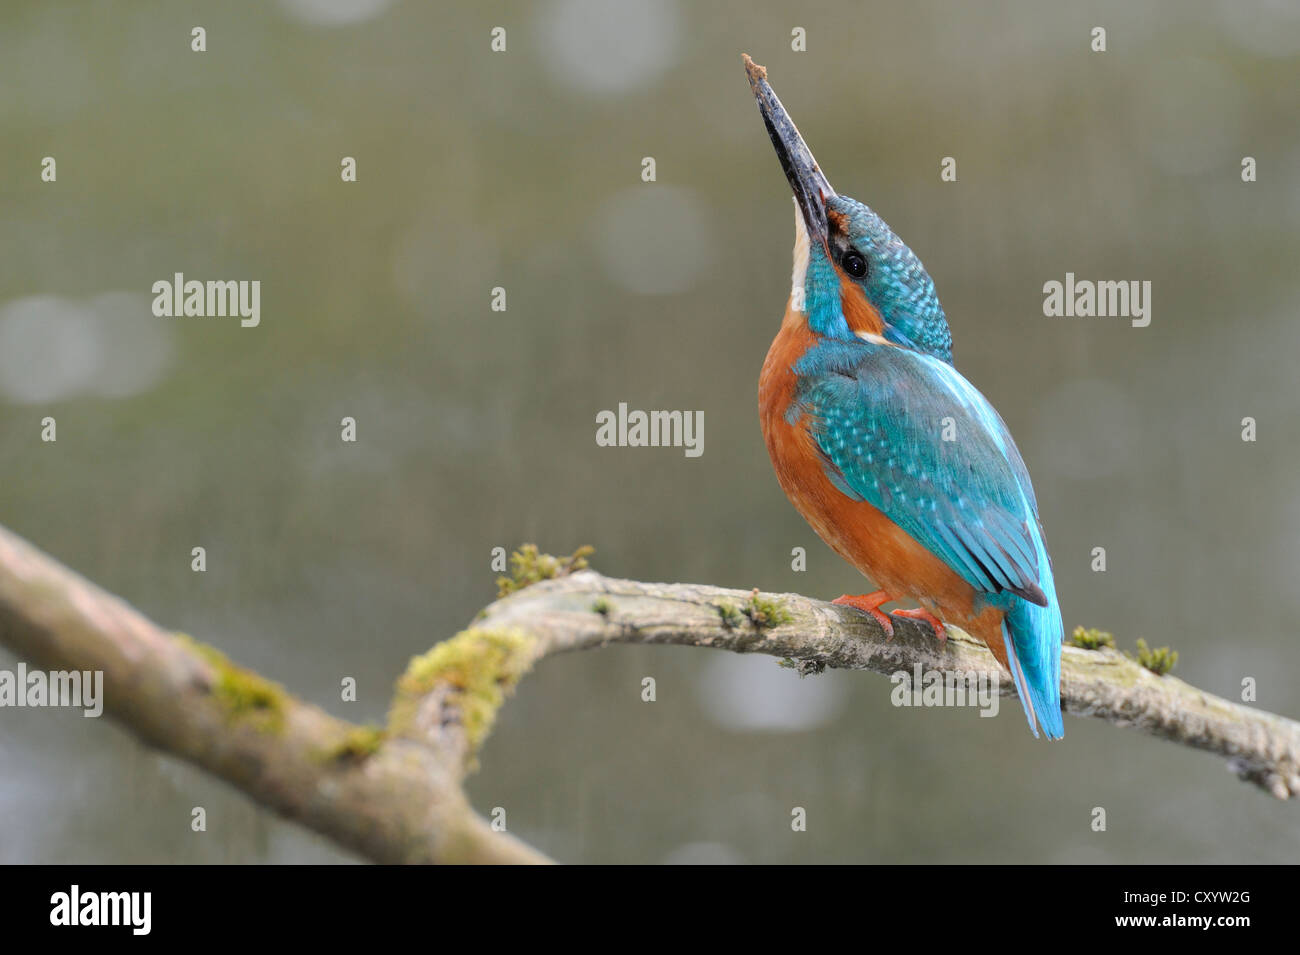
column 396, row 795
column 389, row 799
column 588, row 610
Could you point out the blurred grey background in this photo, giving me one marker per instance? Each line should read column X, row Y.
column 476, row 428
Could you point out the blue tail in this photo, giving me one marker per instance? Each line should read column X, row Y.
column 1033, row 637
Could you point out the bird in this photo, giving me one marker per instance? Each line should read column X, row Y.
column 897, row 461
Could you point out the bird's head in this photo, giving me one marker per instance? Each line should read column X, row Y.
column 852, row 275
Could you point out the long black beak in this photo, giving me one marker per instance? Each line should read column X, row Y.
column 811, row 188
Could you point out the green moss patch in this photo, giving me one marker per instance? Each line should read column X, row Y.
column 1092, row 639
column 764, row 612
column 529, row 566
column 1159, row 660
column 358, row 744
column 477, row 669
column 243, row 695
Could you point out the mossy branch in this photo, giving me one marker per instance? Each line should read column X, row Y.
column 387, row 796
column 1261, row 747
column 396, row 795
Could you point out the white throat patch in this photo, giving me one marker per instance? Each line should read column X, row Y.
column 800, row 272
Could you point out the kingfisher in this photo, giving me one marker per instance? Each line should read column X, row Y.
column 895, row 459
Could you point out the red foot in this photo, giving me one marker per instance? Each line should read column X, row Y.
column 920, row 613
column 870, row 603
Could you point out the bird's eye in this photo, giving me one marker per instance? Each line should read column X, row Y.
column 854, row 264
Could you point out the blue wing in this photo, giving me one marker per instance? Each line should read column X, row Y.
column 908, row 434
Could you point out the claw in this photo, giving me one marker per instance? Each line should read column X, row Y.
column 870, row 604
column 920, row 613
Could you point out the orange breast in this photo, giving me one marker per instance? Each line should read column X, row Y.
column 856, row 530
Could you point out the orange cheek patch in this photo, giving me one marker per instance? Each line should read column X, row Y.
column 858, row 312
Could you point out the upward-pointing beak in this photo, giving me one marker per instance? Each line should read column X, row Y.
column 811, row 188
